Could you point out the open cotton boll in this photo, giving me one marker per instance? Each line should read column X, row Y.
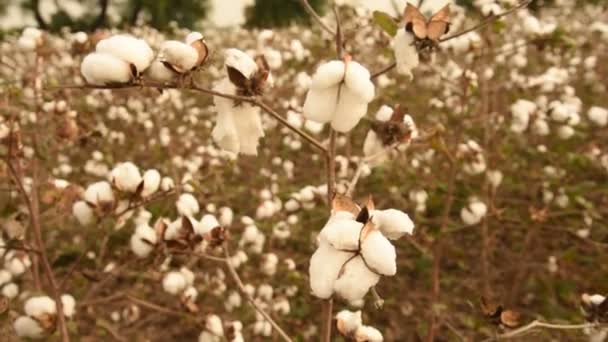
column 187, row 205
column 129, row 49
column 379, row 254
column 27, row 327
column 348, row 322
column 473, row 213
column 325, row 265
column 351, row 108
column 356, row 280
column 357, row 80
column 83, row 213
column 392, row 223
column 328, row 75
column 143, row 240
column 366, row 333
column 320, row 104
column 174, row 282
column 37, row 306
column 248, row 125
column 102, row 69
column 240, row 61
column 151, row 181
column 126, row 177
column 10, row 290
column 406, row 55
column 343, row 234
column 598, row 115
column 181, row 56
column 69, row 305
column 160, row 73
column 99, row 192
column 213, row 324
column 207, row 223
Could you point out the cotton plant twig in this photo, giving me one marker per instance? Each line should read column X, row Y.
column 311, row 11
column 383, row 71
column 539, row 324
column 237, row 279
column 364, row 161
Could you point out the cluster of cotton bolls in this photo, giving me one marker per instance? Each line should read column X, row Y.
column 252, row 238
column 354, row 249
column 339, row 94
column 124, row 180
column 181, row 283
column 473, row 212
column 216, row 331
column 471, row 153
column 40, row 316
column 350, row 325
column 15, row 263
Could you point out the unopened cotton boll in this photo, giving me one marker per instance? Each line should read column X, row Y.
column 83, row 213
column 187, row 205
column 392, row 223
column 368, row 334
column 598, row 116
column 103, row 69
column 174, row 282
column 27, row 327
column 126, row 177
column 406, row 55
column 127, row 48
column 99, row 193
column 181, row 56
column 151, row 179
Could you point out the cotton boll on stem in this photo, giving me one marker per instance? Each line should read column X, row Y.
column 182, row 57
column 355, row 281
column 325, row 265
column 342, row 235
column 151, row 179
column 126, row 177
column 350, row 109
column 27, row 327
column 379, row 254
column 129, row 49
column 105, row 69
column 241, row 61
column 406, row 55
column 320, row 104
column 83, row 213
column 392, row 223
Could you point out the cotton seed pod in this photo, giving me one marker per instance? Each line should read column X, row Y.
column 178, row 56
column 105, row 69
column 129, row 49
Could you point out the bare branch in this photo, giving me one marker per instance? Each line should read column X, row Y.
column 316, row 17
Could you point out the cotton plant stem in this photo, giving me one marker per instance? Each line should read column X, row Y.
column 311, row 11
column 538, row 324
column 250, row 299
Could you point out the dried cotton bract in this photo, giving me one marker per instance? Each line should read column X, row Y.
column 339, row 93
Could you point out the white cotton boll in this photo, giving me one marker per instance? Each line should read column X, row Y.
column 5, row 277
column 249, row 130
column 540, row 127
column 193, row 36
column 356, row 280
column 27, row 327
column 384, row 113
column 129, row 49
column 379, row 254
column 368, row 334
column 325, row 265
column 531, row 25
column 160, row 73
column 372, row 145
column 16, row 265
column 187, row 205
column 269, row 264
column 357, row 80
column 167, row 184
column 226, row 216
column 126, row 177
column 521, row 110
column 473, row 213
column 188, row 275
column 207, row 223
column 348, row 322
column 342, row 234
column 350, row 109
column 174, row 282
column 262, row 328
column 214, row 325
column 69, row 305
column 151, row 179
column 10, row 290
column 143, row 240
column 207, row 336
column 406, row 55
column 240, row 61
column 328, row 75
column 37, row 306
column 181, row 56
column 565, row 132
column 596, row 299
column 320, row 104
column 103, row 69
column 494, row 177
column 598, row 115
column 98, row 193
column 83, row 213
column 392, row 223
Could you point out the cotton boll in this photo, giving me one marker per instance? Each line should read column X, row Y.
column 598, row 116
column 188, row 275
column 379, row 254
column 5, row 277
column 350, row 109
column 343, row 234
column 357, row 80
column 384, row 113
column 207, row 223
column 10, row 290
column 187, row 205
column 27, row 327
column 160, row 73
column 151, row 179
column 213, row 323
column 143, row 240
column 521, row 110
column 103, row 69
column 356, row 280
column 406, row 55
column 99, row 193
column 38, row 306
column 368, row 334
column 494, row 177
column 320, row 104
column 69, row 305
column 167, row 184
column 473, row 213
column 565, row 132
column 248, row 125
column 325, row 265
column 83, row 213
column 126, row 177
column 348, row 322
column 16, row 264
column 392, row 223
column 174, row 282
column 241, row 61
column 226, row 216
column 193, row 36
column 328, row 75
column 127, row 48
column 182, row 57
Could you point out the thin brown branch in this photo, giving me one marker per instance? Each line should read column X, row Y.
column 311, row 11
column 383, row 71
column 538, row 324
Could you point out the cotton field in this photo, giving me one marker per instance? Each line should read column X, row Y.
column 439, row 173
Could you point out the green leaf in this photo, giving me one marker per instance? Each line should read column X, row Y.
column 386, row 22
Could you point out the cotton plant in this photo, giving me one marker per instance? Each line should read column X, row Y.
column 350, row 325
column 339, row 94
column 354, row 249
column 39, row 320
